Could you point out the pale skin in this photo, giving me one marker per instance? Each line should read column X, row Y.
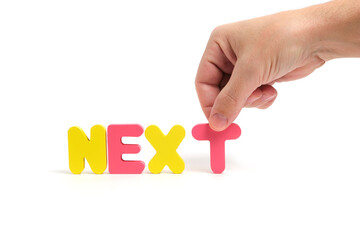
column 243, row 60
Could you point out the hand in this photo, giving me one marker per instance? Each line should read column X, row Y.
column 243, row 60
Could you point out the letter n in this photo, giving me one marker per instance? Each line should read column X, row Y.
column 93, row 149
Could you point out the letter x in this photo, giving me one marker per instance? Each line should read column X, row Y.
column 165, row 147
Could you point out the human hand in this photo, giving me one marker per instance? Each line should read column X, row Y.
column 243, row 60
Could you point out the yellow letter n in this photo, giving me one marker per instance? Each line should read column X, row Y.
column 94, row 150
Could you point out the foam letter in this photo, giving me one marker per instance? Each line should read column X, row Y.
column 165, row 147
column 116, row 148
column 217, row 142
column 94, row 150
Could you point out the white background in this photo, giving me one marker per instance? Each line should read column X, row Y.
column 293, row 174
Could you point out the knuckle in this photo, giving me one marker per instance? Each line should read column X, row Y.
column 218, row 32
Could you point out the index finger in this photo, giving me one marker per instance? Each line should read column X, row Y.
column 214, row 68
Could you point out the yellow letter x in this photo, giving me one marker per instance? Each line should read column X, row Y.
column 165, row 147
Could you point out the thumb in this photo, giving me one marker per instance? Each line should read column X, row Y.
column 232, row 97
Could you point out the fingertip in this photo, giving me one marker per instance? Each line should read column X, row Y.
column 218, row 122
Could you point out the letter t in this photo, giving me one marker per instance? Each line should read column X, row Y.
column 217, row 142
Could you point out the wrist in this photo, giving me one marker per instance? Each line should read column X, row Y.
column 331, row 30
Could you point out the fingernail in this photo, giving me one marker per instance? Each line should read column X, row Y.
column 218, row 122
column 252, row 100
column 268, row 99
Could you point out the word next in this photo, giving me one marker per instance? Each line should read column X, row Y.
column 97, row 155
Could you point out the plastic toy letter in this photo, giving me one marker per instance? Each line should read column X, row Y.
column 165, row 147
column 116, row 148
column 94, row 150
column 217, row 142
